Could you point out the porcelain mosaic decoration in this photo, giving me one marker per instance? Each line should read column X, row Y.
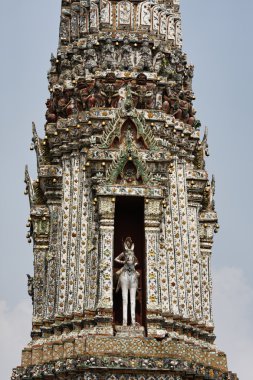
column 121, row 158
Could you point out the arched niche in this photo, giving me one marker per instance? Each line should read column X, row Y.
column 84, row 22
column 125, row 15
column 170, row 28
column 129, row 221
column 144, row 14
column 106, row 12
column 163, row 23
column 94, row 17
column 120, row 139
column 155, row 12
column 178, row 33
column 65, row 28
column 74, row 24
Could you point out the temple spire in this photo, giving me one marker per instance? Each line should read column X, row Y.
column 122, row 213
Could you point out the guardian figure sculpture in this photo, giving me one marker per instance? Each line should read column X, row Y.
column 128, row 279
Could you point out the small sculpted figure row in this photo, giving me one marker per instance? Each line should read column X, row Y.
column 124, row 57
column 71, row 99
column 179, row 105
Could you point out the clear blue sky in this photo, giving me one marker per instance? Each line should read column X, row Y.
column 218, row 39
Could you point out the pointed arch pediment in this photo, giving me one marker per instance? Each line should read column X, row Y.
column 116, row 131
column 129, row 167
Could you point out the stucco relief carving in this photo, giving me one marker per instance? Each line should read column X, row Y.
column 108, row 55
column 94, row 17
column 106, row 12
column 65, row 26
column 124, row 14
column 106, row 207
column 170, row 28
column 144, row 15
column 178, row 33
column 155, row 17
column 84, row 22
column 163, row 23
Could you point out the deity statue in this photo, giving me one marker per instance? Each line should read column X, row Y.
column 78, row 68
column 158, row 61
column 90, row 57
column 208, row 199
column 108, row 55
column 176, row 56
column 188, row 76
column 66, row 71
column 69, row 93
column 144, row 96
column 60, row 101
column 146, row 60
column 30, row 285
column 52, row 74
column 185, row 110
column 128, row 279
column 90, row 95
column 113, row 93
column 201, row 151
column 51, row 115
column 126, row 56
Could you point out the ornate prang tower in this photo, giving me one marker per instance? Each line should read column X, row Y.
column 121, row 157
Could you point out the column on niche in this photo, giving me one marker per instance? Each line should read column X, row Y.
column 40, row 223
column 152, row 232
column 52, row 258
column 106, row 210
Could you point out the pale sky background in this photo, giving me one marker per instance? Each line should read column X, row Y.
column 218, row 39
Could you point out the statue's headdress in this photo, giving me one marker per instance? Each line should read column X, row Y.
column 128, row 243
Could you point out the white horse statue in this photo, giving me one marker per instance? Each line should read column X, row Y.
column 128, row 279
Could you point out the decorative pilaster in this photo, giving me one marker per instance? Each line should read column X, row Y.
column 208, row 225
column 82, row 239
column 153, row 298
column 104, row 317
column 73, row 253
column 178, row 284
column 66, row 228
column 40, row 223
column 52, row 258
column 195, row 261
